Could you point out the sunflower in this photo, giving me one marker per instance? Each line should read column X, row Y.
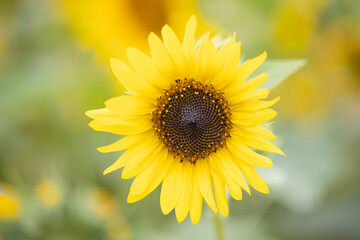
column 10, row 207
column 112, row 25
column 192, row 123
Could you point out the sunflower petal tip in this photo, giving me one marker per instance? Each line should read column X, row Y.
column 165, row 211
column 272, row 112
column 129, row 50
column 215, row 210
column 91, row 125
column 282, row 153
column 152, row 36
column 88, row 114
column 195, row 221
column 192, row 19
column 264, row 54
column 110, row 170
column 125, row 175
column 165, row 28
column 180, row 219
column 268, row 165
column 130, row 199
column 233, row 38
column 113, row 60
column 100, row 149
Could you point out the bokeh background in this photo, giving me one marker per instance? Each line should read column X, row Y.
column 54, row 67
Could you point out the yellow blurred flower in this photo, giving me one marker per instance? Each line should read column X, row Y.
column 111, row 26
column 103, row 203
column 105, row 206
column 48, row 193
column 295, row 22
column 334, row 65
column 10, row 207
column 292, row 28
column 305, row 96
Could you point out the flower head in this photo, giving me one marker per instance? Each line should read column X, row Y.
column 192, row 123
column 10, row 206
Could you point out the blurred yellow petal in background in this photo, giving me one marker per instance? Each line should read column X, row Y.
column 106, row 207
column 295, row 22
column 111, row 26
column 48, row 193
column 103, row 203
column 10, row 207
column 335, row 65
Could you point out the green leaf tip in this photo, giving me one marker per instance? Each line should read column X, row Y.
column 278, row 70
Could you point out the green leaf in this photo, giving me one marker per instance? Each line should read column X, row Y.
column 278, row 70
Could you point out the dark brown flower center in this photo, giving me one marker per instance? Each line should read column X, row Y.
column 192, row 119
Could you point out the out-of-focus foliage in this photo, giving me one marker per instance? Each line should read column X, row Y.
column 50, row 74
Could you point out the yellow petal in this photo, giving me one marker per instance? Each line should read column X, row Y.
column 171, row 188
column 256, row 130
column 250, row 118
column 232, row 169
column 252, row 83
column 217, row 165
column 146, row 67
column 244, row 154
column 235, row 99
column 10, row 206
column 101, row 113
column 226, row 50
column 124, row 143
column 139, row 150
column 247, row 68
column 250, row 106
column 175, row 49
column 253, row 177
column 132, row 81
column 205, row 61
column 203, row 179
column 162, row 57
column 227, row 60
column 129, row 106
column 150, row 178
column 182, row 207
column 196, row 205
column 220, row 194
column 258, row 143
column 140, row 163
column 189, row 38
column 121, row 127
column 105, row 113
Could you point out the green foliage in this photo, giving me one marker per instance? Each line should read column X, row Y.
column 279, row 70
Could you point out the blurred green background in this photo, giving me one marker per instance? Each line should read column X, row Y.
column 54, row 67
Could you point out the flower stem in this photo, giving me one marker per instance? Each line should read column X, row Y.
column 219, row 226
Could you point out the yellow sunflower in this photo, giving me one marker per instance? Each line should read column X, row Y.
column 192, row 122
column 10, row 207
column 112, row 25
